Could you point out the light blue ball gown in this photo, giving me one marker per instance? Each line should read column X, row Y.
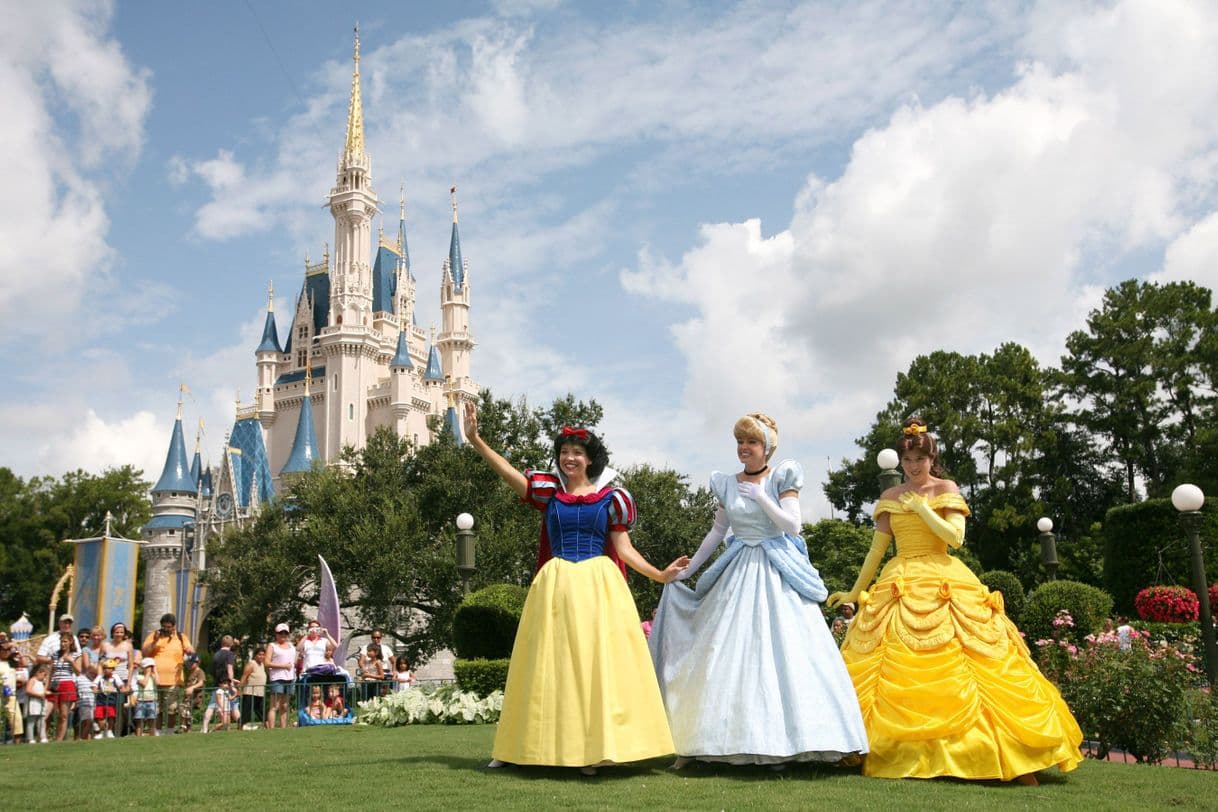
column 748, row 669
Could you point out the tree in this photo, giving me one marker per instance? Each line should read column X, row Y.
column 36, row 516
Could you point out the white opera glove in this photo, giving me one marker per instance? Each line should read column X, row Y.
column 785, row 515
column 709, row 544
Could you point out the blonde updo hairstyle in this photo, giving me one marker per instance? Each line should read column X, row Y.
column 755, row 426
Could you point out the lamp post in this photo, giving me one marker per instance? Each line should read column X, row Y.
column 1048, row 546
column 888, row 461
column 1188, row 499
column 465, row 548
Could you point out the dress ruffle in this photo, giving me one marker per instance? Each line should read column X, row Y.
column 945, row 682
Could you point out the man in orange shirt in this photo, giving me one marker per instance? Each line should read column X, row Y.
column 168, row 648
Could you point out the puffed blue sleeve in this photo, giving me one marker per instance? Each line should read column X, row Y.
column 788, row 476
column 621, row 510
column 718, row 485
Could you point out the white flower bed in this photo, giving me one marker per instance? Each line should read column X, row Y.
column 446, row 705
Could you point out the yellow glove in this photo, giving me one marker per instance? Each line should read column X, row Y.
column 951, row 529
column 879, row 546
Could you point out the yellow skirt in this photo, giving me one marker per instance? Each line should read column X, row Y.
column 581, row 689
column 946, row 685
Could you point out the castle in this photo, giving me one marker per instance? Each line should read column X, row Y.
column 354, row 361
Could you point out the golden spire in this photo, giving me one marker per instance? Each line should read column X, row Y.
column 270, row 292
column 453, row 192
column 355, row 113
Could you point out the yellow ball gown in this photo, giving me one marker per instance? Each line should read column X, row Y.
column 945, row 682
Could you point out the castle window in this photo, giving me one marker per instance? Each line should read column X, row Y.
column 350, row 411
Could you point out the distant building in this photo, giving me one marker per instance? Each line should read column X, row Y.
column 354, row 360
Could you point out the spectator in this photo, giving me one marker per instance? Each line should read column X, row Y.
column 1124, row 634
column 64, row 669
column 336, row 707
column 312, row 647
column 193, row 694
column 119, row 649
column 281, row 665
column 377, row 637
column 222, row 706
column 317, row 706
column 23, row 665
column 846, row 610
column 402, row 677
column 94, row 650
column 224, row 662
column 36, row 708
column 253, row 687
column 50, row 645
column 168, row 649
column 373, row 673
column 10, row 665
column 145, row 698
column 85, row 701
column 108, row 693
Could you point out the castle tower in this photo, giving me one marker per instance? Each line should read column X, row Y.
column 174, row 508
column 455, row 342
column 268, row 354
column 404, row 306
column 349, row 343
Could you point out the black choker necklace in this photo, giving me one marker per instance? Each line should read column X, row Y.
column 760, row 470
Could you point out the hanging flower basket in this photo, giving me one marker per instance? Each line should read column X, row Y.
column 1167, row 604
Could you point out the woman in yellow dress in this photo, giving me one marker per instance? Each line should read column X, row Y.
column 581, row 689
column 945, row 682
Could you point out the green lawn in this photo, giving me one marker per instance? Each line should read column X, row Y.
column 439, row 767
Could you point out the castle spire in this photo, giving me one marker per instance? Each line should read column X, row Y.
column 270, row 334
column 456, row 266
column 403, row 248
column 355, row 113
column 304, row 445
column 175, row 476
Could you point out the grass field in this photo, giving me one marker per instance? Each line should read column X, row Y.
column 440, row 767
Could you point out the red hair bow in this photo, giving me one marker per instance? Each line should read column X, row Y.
column 578, row 434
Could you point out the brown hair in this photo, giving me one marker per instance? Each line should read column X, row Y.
column 915, row 437
column 750, row 427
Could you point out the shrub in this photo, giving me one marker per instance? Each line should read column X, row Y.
column 1141, row 538
column 1182, row 635
column 1087, row 606
column 1167, row 604
column 1135, row 700
column 1213, row 598
column 445, row 705
column 1202, row 714
column 481, row 677
column 484, row 626
column 1013, row 596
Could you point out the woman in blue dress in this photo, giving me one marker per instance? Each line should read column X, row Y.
column 581, row 691
column 747, row 665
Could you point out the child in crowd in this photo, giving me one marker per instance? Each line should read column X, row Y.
column 336, row 708
column 145, row 698
column 85, row 702
column 317, row 707
column 195, row 689
column 36, row 705
column 223, row 706
column 402, row 677
column 107, row 692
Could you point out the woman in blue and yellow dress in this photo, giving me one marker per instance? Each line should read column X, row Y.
column 945, row 682
column 581, row 690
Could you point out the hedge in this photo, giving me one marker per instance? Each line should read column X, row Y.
column 481, row 677
column 484, row 626
column 1013, row 596
column 1135, row 536
column 1087, row 605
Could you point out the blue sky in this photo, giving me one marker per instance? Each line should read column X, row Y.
column 683, row 210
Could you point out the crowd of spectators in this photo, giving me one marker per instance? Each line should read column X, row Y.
column 90, row 686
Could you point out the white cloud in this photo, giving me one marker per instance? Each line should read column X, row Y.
column 961, row 224
column 1193, row 257
column 72, row 104
column 140, row 440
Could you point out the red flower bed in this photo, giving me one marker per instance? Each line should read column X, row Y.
column 1213, row 598
column 1167, row 604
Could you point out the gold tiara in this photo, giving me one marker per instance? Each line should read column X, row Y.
column 914, row 429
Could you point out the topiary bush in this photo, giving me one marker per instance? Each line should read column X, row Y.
column 484, row 626
column 1167, row 604
column 1087, row 605
column 481, row 677
column 1141, row 537
column 1013, row 596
